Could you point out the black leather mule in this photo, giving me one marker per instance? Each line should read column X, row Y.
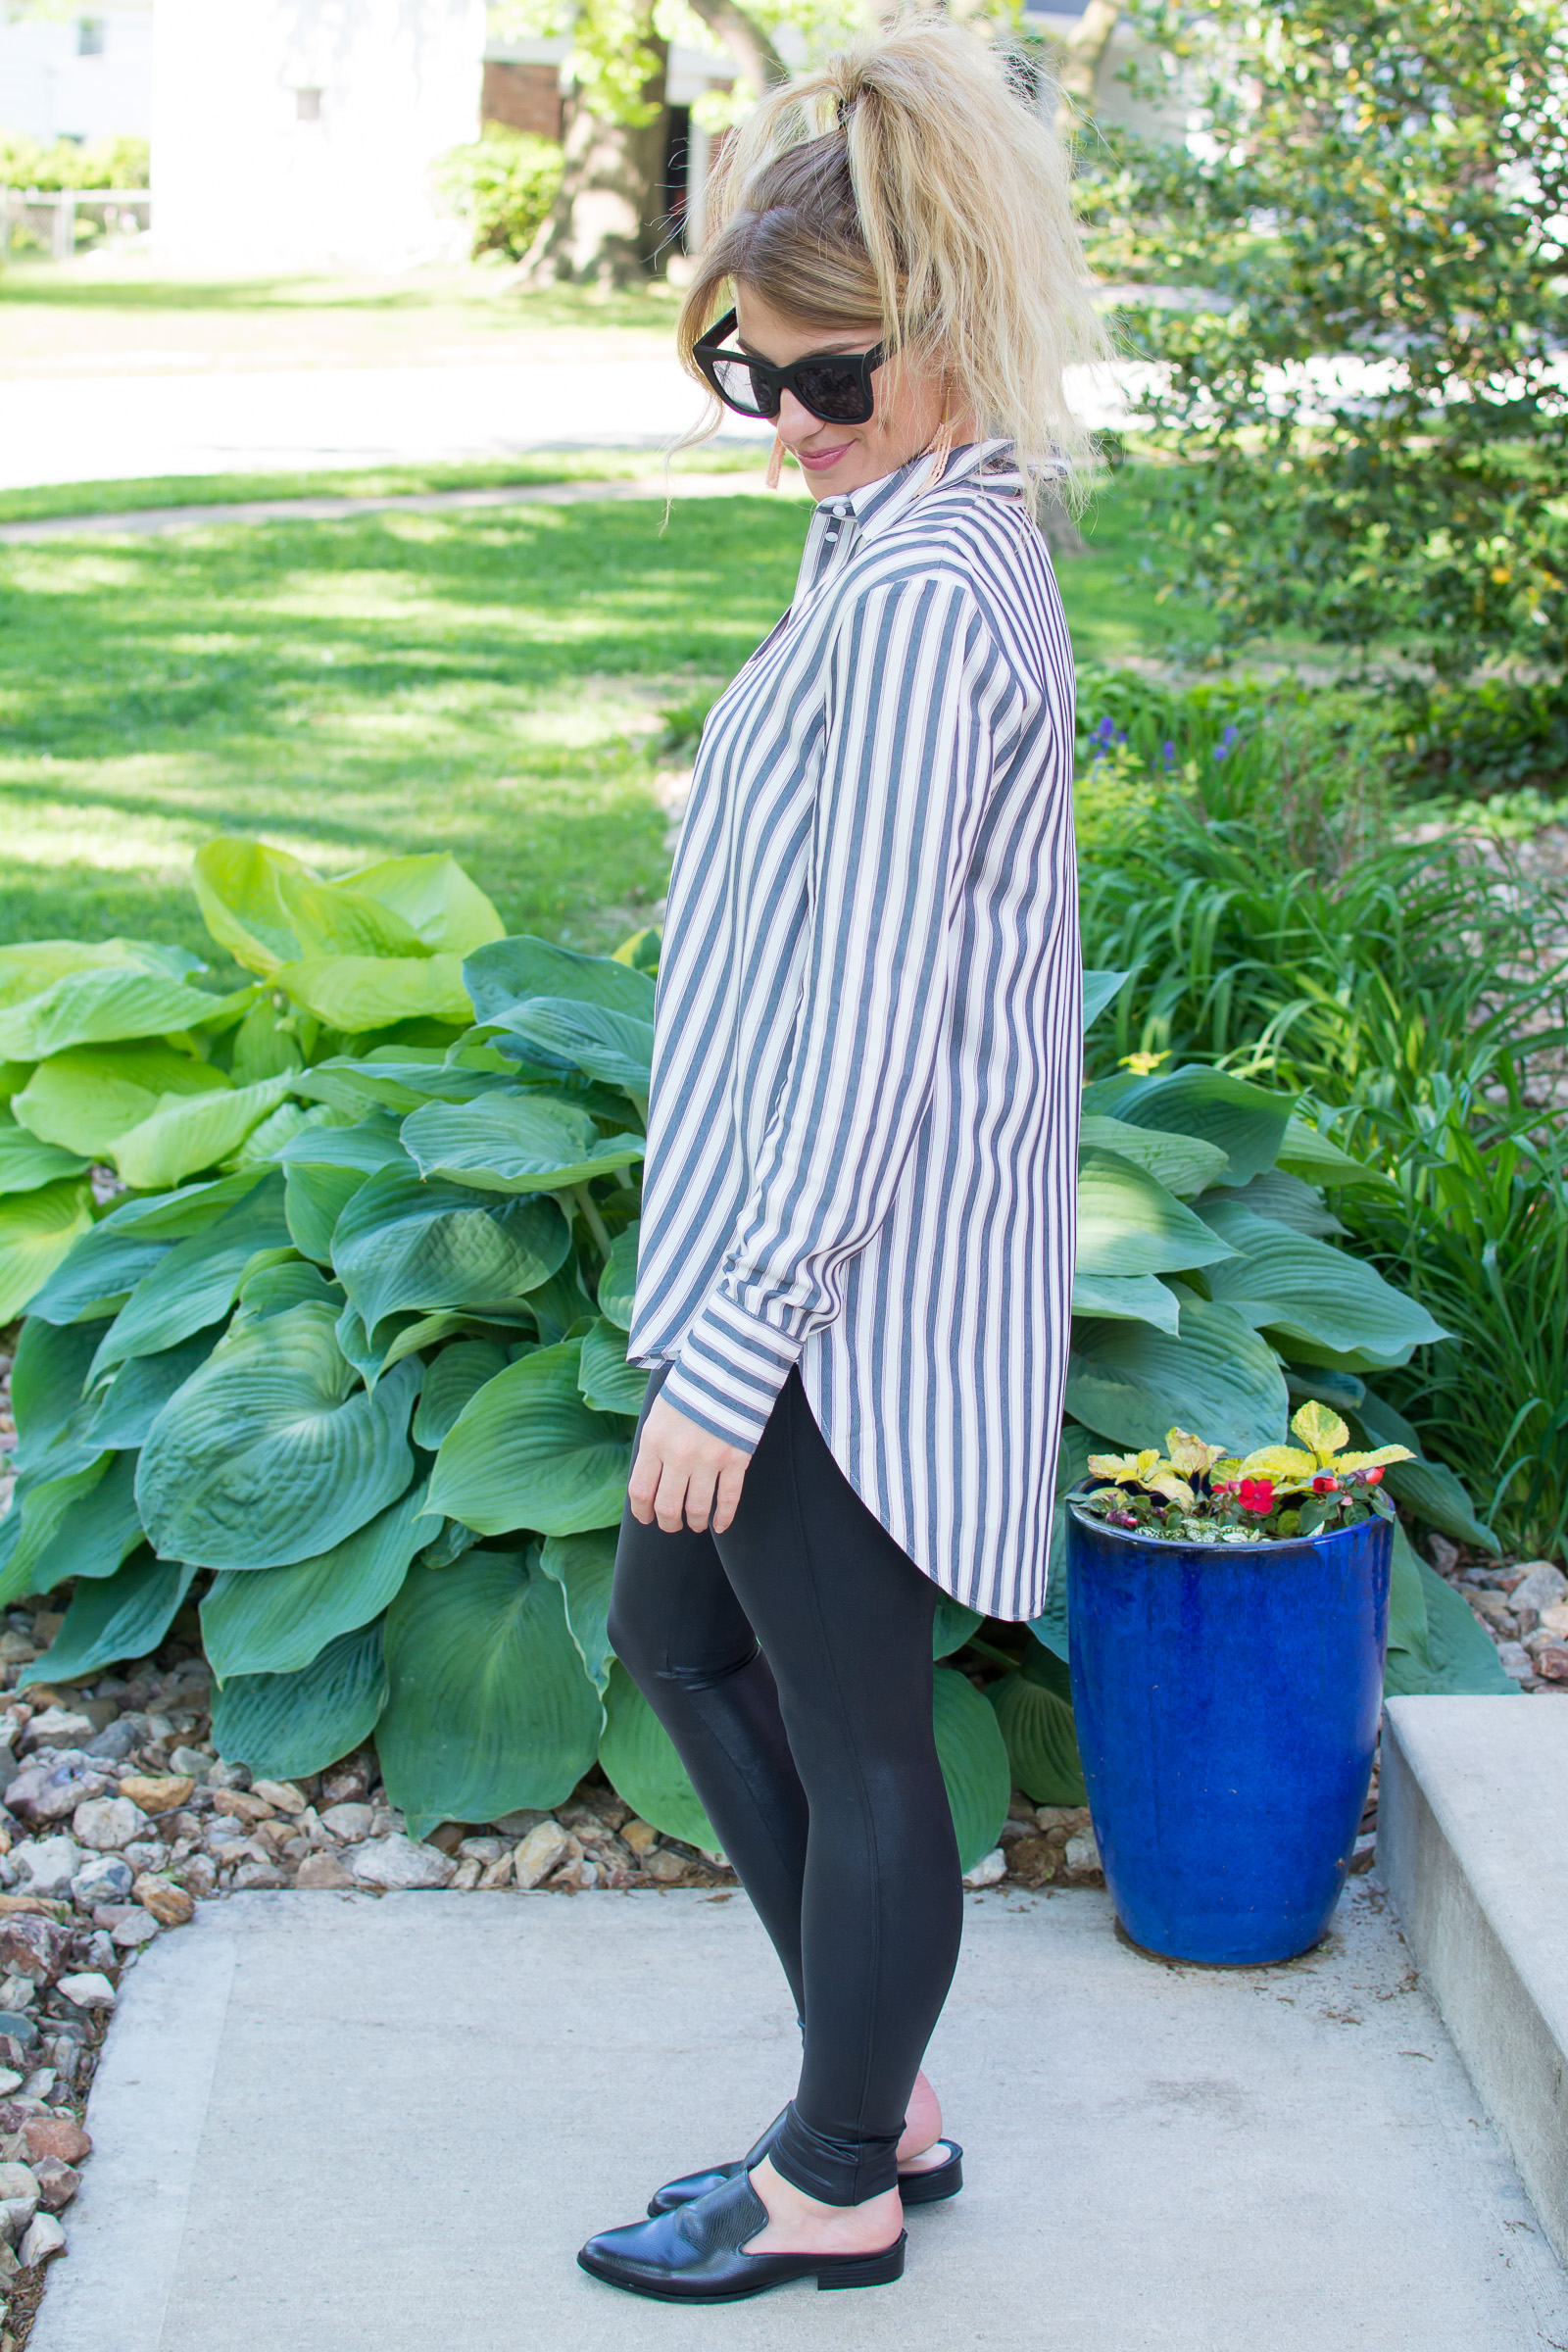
column 697, row 2254
column 928, row 2187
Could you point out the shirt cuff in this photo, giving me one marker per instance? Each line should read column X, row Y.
column 730, row 1371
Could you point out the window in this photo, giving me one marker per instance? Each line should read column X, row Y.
column 89, row 36
column 307, row 106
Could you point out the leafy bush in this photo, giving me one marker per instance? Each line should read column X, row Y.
column 1365, row 393
column 120, row 163
column 353, row 1345
column 503, row 185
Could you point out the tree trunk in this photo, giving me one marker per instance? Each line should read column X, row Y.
column 604, row 229
column 1082, row 52
column 746, row 41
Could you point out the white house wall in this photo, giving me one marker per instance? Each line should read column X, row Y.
column 244, row 177
column 49, row 89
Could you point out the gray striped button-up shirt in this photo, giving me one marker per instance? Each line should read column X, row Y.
column 863, row 1120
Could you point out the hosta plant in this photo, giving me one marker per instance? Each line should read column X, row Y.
column 1197, row 1493
column 345, row 1365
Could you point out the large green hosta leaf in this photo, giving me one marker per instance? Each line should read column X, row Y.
column 451, row 1379
column 1129, row 1224
column 286, row 1725
column 277, row 1620
column 124, row 1616
column 268, row 909
column 357, row 993
column 1182, row 1164
column 401, row 1080
column 431, row 894
column 199, row 1280
column 1050, row 1629
column 505, row 975
column 25, row 1164
column 237, row 888
column 187, row 1133
column 953, row 1627
column 608, row 1384
column 638, row 1758
column 1132, row 1384
column 315, row 1198
column 100, row 1529
column 1243, row 1121
column 974, row 1764
column 87, row 1098
column 127, row 1405
column 612, row 1047
column 38, row 1508
column 272, row 1452
column 1100, row 988
column 1286, row 1199
column 1459, row 1659
column 1310, row 1155
column 95, row 1007
column 617, row 1282
column 1307, row 1296
column 47, row 1381
column 490, row 1709
column 37, row 1230
column 528, row 1452
column 514, row 1143
column 1034, row 1710
column 1141, row 1299
column 36, row 964
column 1430, row 1490
column 401, row 1243
column 584, row 1567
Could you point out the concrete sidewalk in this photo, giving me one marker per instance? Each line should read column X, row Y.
column 333, row 2124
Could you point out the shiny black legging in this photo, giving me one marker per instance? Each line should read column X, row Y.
column 815, row 1758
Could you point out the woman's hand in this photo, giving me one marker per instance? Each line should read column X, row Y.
column 684, row 1475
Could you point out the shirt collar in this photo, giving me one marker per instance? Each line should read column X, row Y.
column 876, row 506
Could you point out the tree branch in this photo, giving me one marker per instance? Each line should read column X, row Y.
column 750, row 45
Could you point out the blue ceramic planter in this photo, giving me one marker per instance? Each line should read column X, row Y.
column 1227, row 1699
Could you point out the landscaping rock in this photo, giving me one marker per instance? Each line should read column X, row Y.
column 105, row 1879
column 1552, row 1662
column 158, row 1792
column 60, row 1727
column 52, row 1791
column 58, row 2184
column 33, row 1947
column 281, row 1795
column 252, row 1875
column 349, row 1822
column 397, row 1863
column 139, row 1927
column 543, row 1850
column 47, row 1865
column 323, row 1871
column 114, row 1743
column 988, row 1870
column 56, row 2135
column 1515, row 1660
column 19, row 2185
column 107, row 1823
column 1542, row 1588
column 640, row 1836
column 1082, row 1851
column 44, row 2240
column 88, row 1989
column 168, row 1904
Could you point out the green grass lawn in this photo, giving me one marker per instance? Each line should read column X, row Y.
column 487, row 683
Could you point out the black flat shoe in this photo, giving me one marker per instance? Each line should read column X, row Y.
column 927, row 2187
column 696, row 2254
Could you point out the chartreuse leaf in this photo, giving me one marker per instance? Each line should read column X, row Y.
column 38, row 1508
column 609, row 1384
column 25, row 1164
column 96, row 1007
column 638, row 1759
column 199, row 1280
column 456, row 1374
column 1182, row 1163
column 1306, row 1294
column 514, row 1143
column 401, row 1243
column 237, row 888
column 432, row 895
column 528, row 1452
column 1034, row 1710
column 615, row 1048
column 1461, row 1658
column 125, row 1615
column 285, row 1725
column 584, row 1567
column 1132, row 1384
column 953, row 1627
column 505, row 975
column 29, row 969
column 490, row 1707
column 187, row 1133
column 37, row 1230
column 617, row 1282
column 87, row 1098
column 1243, row 1121
column 1129, row 1224
column 1142, row 1298
column 356, row 993
column 397, row 1081
column 273, row 1452
column 974, row 1764
column 100, row 1529
column 1428, row 1489
column 277, row 1620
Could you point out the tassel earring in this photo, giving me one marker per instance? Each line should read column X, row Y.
column 940, row 447
column 775, row 462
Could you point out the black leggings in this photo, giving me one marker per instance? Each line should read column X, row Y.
column 816, row 1761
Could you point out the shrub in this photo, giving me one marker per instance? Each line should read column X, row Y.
column 353, row 1345
column 503, row 185
column 119, row 163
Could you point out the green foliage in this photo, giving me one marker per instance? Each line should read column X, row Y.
column 393, row 1334
column 503, row 185
column 117, row 162
column 1365, row 391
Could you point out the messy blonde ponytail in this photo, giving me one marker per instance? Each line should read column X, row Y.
column 907, row 185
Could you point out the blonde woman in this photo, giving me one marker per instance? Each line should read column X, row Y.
column 857, row 1239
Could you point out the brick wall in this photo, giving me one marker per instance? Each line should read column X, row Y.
column 524, row 97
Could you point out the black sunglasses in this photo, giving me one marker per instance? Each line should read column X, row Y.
column 835, row 385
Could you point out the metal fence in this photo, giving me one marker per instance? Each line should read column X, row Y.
column 50, row 214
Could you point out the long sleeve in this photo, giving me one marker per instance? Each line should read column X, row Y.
column 917, row 695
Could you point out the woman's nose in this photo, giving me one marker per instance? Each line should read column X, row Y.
column 796, row 424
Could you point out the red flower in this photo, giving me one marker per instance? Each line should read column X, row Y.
column 1326, row 1485
column 1257, row 1495
column 1226, row 1486
column 1373, row 1473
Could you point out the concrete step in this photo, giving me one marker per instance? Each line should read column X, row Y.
column 1471, row 1847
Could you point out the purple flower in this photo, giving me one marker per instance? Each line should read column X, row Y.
column 1231, row 736
column 1105, row 732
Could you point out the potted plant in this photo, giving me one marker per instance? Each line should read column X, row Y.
column 1229, row 1619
